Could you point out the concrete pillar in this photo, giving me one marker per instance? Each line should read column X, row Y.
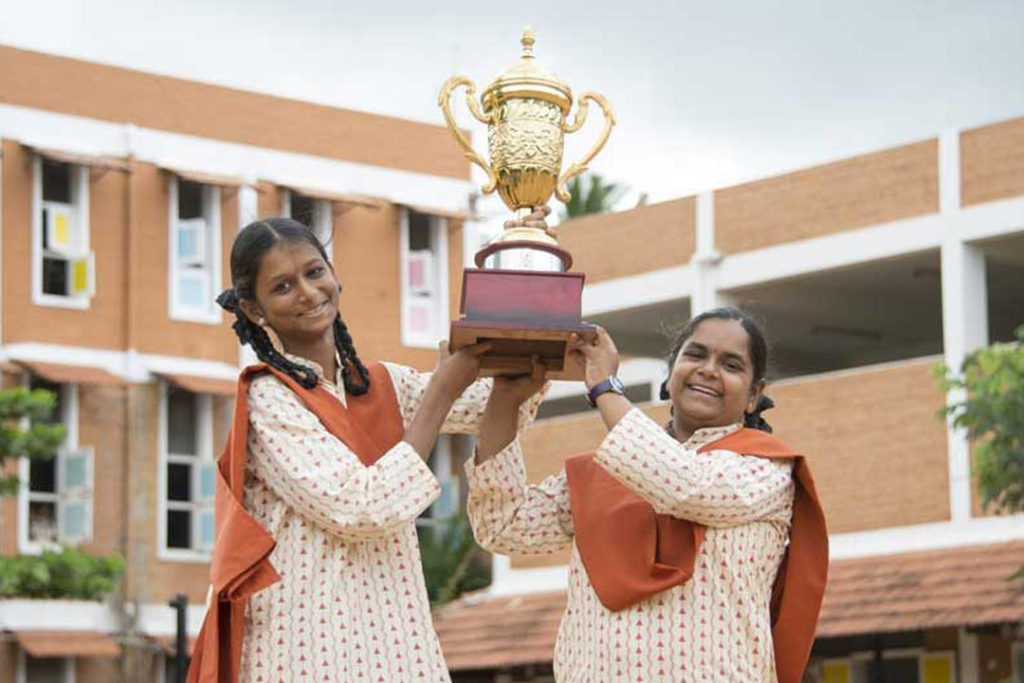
column 967, row 645
column 964, row 314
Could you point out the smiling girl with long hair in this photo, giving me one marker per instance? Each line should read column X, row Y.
column 316, row 571
column 699, row 548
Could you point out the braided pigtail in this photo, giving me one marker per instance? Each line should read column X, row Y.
column 255, row 336
column 350, row 362
column 754, row 419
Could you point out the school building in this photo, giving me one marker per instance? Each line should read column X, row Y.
column 866, row 273
column 120, row 195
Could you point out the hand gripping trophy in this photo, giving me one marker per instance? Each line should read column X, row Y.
column 521, row 297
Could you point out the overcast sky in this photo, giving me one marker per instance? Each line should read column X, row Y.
column 707, row 94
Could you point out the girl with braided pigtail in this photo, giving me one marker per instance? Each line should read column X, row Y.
column 699, row 552
column 316, row 572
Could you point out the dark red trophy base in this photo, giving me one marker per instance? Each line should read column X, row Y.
column 522, row 313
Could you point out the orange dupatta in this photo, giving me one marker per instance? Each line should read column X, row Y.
column 631, row 553
column 241, row 565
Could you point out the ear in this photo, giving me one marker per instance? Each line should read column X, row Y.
column 755, row 396
column 251, row 310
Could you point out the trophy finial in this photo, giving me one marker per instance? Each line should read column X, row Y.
column 527, row 41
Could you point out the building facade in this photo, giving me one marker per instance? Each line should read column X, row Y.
column 866, row 272
column 120, row 195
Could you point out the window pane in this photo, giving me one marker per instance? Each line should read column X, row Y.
column 302, row 209
column 76, row 469
column 42, row 475
column 58, row 407
column 188, row 242
column 190, row 199
column 56, row 181
column 42, row 521
column 179, row 529
column 192, row 290
column 207, row 482
column 73, row 520
column 55, row 276
column 419, row 232
column 44, row 670
column 179, row 482
column 181, row 422
column 207, row 529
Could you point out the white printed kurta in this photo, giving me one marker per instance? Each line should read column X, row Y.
column 715, row 627
column 351, row 604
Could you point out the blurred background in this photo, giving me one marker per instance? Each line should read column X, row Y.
column 851, row 173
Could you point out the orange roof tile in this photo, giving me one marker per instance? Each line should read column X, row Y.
column 484, row 632
column 966, row 586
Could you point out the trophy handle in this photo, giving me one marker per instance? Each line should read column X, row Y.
column 581, row 116
column 444, row 101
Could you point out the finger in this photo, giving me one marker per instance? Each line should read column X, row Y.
column 538, row 369
column 444, row 349
column 543, row 209
column 478, row 348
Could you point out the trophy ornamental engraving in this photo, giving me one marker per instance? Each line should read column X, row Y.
column 520, row 297
column 526, row 109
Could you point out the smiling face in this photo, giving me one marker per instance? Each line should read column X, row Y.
column 712, row 381
column 296, row 293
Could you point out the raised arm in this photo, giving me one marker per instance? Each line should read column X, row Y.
column 717, row 489
column 509, row 516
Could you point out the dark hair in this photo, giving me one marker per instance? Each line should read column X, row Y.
column 758, row 349
column 255, row 240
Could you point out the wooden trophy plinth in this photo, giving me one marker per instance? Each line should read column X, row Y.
column 522, row 313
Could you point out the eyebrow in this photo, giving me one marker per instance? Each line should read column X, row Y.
column 701, row 347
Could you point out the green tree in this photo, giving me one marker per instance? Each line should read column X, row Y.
column 992, row 411
column 26, row 430
column 591, row 193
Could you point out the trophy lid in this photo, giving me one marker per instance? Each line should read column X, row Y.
column 527, row 78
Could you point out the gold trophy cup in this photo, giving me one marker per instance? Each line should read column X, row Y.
column 521, row 297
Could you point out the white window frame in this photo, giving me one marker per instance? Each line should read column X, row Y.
column 22, row 671
column 79, row 178
column 210, row 313
column 323, row 216
column 204, row 444
column 69, row 418
column 439, row 312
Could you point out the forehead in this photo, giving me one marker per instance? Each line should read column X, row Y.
column 286, row 257
column 723, row 336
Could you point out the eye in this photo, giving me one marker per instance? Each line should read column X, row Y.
column 280, row 288
column 691, row 353
column 315, row 272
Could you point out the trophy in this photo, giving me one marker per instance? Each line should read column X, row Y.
column 521, row 297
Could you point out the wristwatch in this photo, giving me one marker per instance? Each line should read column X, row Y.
column 612, row 384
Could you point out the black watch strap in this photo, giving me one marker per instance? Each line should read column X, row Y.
column 612, row 384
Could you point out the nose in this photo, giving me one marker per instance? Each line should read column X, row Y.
column 306, row 289
column 708, row 368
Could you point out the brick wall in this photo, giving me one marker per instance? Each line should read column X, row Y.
column 852, row 193
column 108, row 93
column 992, row 162
column 632, row 242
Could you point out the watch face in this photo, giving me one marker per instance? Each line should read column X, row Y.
column 617, row 385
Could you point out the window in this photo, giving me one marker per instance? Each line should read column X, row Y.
column 314, row 213
column 63, row 267
column 188, row 482
column 46, row 670
column 195, row 250
column 57, row 503
column 424, row 253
